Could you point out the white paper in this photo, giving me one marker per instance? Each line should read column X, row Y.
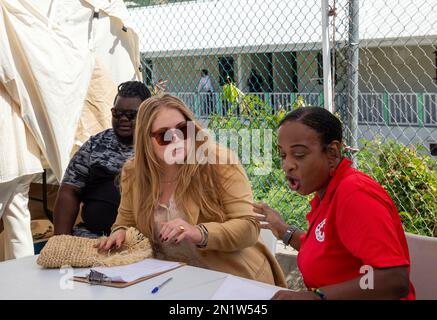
column 132, row 272
column 234, row 288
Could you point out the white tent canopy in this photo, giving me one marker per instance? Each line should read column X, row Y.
column 49, row 52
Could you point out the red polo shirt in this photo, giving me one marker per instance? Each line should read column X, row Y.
column 356, row 224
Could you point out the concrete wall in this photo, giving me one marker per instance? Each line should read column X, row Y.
column 398, row 69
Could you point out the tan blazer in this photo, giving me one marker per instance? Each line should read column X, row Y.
column 233, row 246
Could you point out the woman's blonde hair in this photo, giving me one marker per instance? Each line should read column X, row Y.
column 198, row 182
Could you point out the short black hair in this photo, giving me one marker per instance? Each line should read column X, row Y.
column 319, row 119
column 205, row 72
column 133, row 89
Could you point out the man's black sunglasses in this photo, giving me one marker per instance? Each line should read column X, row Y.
column 129, row 114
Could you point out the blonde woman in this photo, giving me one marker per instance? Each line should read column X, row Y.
column 193, row 209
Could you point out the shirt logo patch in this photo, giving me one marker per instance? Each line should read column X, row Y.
column 320, row 234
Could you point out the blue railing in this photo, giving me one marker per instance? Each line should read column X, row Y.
column 394, row 109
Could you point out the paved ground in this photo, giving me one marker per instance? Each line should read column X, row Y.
column 287, row 259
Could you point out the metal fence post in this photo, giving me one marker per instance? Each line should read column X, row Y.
column 353, row 72
column 326, row 50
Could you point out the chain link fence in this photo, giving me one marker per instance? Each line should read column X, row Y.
column 242, row 64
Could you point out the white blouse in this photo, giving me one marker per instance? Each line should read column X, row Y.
column 184, row 251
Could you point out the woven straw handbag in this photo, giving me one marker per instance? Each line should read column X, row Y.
column 66, row 250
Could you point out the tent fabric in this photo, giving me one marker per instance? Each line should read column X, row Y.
column 19, row 152
column 48, row 77
column 48, row 53
column 99, row 100
column 116, row 45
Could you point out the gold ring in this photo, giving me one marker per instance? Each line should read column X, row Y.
column 181, row 228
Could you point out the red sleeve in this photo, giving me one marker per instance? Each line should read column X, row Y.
column 366, row 228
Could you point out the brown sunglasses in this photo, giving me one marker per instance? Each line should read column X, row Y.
column 164, row 136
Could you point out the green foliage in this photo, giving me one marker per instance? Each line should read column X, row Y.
column 300, row 102
column 409, row 176
column 231, row 94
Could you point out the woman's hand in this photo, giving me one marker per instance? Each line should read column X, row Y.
column 177, row 230
column 115, row 239
column 270, row 219
column 295, row 295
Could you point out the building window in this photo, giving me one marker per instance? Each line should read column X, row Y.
column 147, row 71
column 226, row 69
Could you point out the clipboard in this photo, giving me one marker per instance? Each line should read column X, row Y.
column 99, row 278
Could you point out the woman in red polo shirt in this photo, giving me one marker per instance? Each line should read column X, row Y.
column 355, row 247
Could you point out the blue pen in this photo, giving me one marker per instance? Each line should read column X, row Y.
column 156, row 289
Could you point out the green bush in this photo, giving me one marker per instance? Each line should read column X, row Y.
column 409, row 175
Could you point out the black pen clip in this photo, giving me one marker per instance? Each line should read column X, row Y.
column 96, row 277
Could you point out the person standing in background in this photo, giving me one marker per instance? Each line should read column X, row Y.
column 206, row 90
